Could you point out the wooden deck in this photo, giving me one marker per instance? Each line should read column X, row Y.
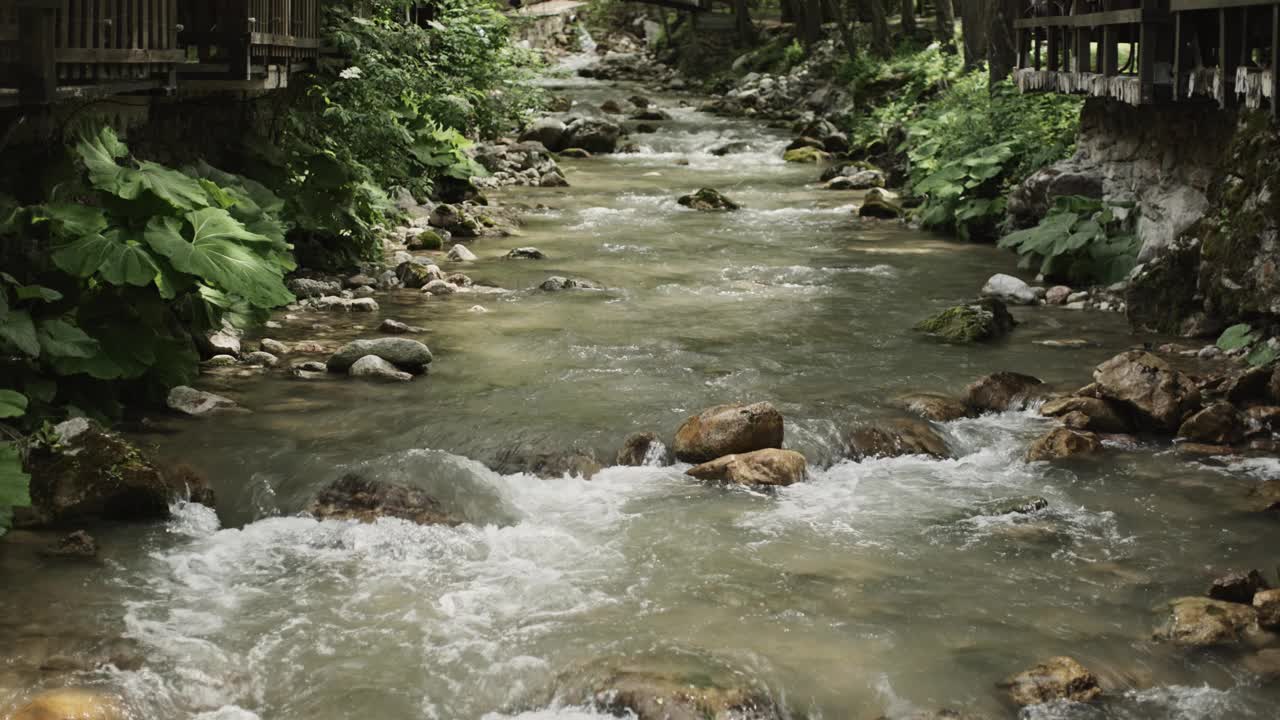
column 1155, row 51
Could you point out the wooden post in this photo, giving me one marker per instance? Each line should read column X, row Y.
column 1147, row 46
column 1055, row 55
column 1084, row 55
column 1275, row 60
column 1228, row 55
column 1177, row 56
column 37, row 31
column 1035, row 38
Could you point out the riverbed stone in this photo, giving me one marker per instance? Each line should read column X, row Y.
column 425, row 239
column 1154, row 391
column 404, row 353
column 222, row 361
column 395, row 327
column 88, row 473
column 355, row 497
column 1204, row 622
column 548, row 131
column 1265, row 497
column 224, row 341
column 1267, row 604
column 592, row 134
column 1099, row 415
column 1218, row 424
column 880, row 203
column 372, row 367
column 78, row 545
column 439, row 288
column 708, row 200
column 1238, row 587
column 461, row 253
column 643, row 448
column 312, row 288
column 1010, row 289
column 71, row 704
column 197, row 403
column 555, row 283
column 1002, row 391
column 895, row 438
column 275, row 347
column 526, row 253
column 859, row 180
column 1058, row 678
column 807, row 154
column 415, row 274
column 763, row 467
column 1061, row 443
column 261, row 357
column 986, row 319
column 639, row 690
column 1057, row 295
column 456, row 220
column 727, row 430
column 933, row 406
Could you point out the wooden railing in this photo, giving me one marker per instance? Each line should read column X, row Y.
column 249, row 34
column 1154, row 50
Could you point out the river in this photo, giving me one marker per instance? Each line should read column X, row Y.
column 880, row 587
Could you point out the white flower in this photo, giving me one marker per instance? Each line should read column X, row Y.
column 351, row 73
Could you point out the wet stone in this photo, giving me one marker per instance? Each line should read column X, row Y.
column 1238, row 587
column 1058, row 678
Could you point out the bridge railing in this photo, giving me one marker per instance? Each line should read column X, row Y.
column 251, row 36
column 1227, row 51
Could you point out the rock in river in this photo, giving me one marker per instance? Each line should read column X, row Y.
column 1238, row 587
column 708, row 199
column 461, row 253
column 878, row 203
column 1061, row 443
column 1203, row 622
column 642, row 448
column 592, row 135
column 354, row 497
column 526, row 253
column 986, row 319
column 1001, row 391
column 1058, row 678
column 1217, row 424
column 1010, row 289
column 71, row 704
column 406, row 354
column 1154, row 391
column 728, row 429
column 372, row 367
column 1098, row 415
column 197, row 403
column 555, row 283
column 896, row 438
column 762, row 467
column 933, row 406
column 637, row 690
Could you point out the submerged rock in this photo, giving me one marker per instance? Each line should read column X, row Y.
column 1010, row 289
column 1238, row 587
column 1061, row 443
column 1203, row 622
column 579, row 463
column 526, row 253
column 1154, row 391
column 762, row 467
column 728, row 429
column 895, row 439
column 353, row 497
column 986, row 319
column 1058, row 678
column 933, row 406
column 1217, row 424
column 439, row 288
column 1001, row 391
column 708, row 199
column 636, row 690
column 71, row 704
column 642, row 448
column 87, row 473
column 372, row 367
column 79, row 545
column 197, row 403
column 406, row 354
column 554, row 283
column 730, row 148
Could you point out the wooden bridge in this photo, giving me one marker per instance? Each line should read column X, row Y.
column 53, row 50
column 1150, row 51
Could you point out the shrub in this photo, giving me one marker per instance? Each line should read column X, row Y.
column 1079, row 240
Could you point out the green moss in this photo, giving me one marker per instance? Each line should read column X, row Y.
column 985, row 320
column 806, row 155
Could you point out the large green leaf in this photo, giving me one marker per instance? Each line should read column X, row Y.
column 100, row 154
column 12, row 404
column 18, row 330
column 14, row 483
column 1236, row 337
column 60, row 339
column 71, row 220
column 115, row 255
column 214, row 254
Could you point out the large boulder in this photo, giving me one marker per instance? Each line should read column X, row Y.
column 87, row 473
column 728, row 429
column 223, row 341
column 895, row 438
column 986, row 319
column 1058, row 678
column 71, row 704
column 592, row 135
column 1001, row 391
column 1267, row 605
column 1030, row 201
column 372, row 367
column 1217, row 424
column 353, row 497
column 1155, row 392
column 548, row 131
column 1087, row 413
column 1061, row 443
column 409, row 355
column 880, row 203
column 312, row 288
column 762, row 467
column 415, row 274
column 707, row 199
column 1203, row 622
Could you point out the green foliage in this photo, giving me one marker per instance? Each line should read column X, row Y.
column 1080, row 240
column 891, row 93
column 964, row 192
column 793, row 55
column 1236, row 337
column 14, row 482
column 117, row 271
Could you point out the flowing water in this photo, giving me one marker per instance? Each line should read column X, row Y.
column 880, row 587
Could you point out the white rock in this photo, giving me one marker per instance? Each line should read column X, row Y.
column 478, row 309
column 263, row 358
column 1010, row 289
column 439, row 287
column 375, row 368
column 460, row 253
column 275, row 347
column 194, row 402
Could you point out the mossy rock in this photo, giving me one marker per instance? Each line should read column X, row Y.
column 427, row 240
column 806, row 155
column 984, row 320
column 575, row 153
column 708, row 199
column 879, row 203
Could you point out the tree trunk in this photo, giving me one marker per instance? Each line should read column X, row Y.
column 945, row 23
column 836, row 9
column 909, row 18
column 811, row 22
column 975, row 21
column 881, row 42
column 742, row 20
column 1002, row 46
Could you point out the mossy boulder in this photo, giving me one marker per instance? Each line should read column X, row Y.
column 986, row 319
column 878, row 203
column 426, row 240
column 806, row 155
column 708, row 200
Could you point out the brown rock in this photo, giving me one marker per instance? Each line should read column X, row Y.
column 762, row 467
column 895, row 439
column 1267, row 603
column 638, row 447
column 356, row 498
column 1058, row 678
column 1247, row 386
column 79, row 545
column 1218, row 424
column 1062, row 443
column 933, row 406
column 1263, row 418
column 728, row 429
column 1099, row 415
column 1237, row 587
column 1266, row 496
column 1202, row 622
column 1265, row 664
column 1001, row 391
column 637, row 690
column 71, row 704
column 1192, row 449
column 1160, row 395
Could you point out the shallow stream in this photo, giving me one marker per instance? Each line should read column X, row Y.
column 881, row 587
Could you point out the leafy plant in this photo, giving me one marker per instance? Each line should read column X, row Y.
column 14, row 483
column 793, row 54
column 964, row 192
column 1243, row 336
column 1081, row 240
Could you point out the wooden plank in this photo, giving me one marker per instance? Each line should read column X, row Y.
column 37, row 71
column 1177, row 56
column 1186, row 5
column 1099, row 19
column 1275, row 60
column 112, row 56
column 1147, row 45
